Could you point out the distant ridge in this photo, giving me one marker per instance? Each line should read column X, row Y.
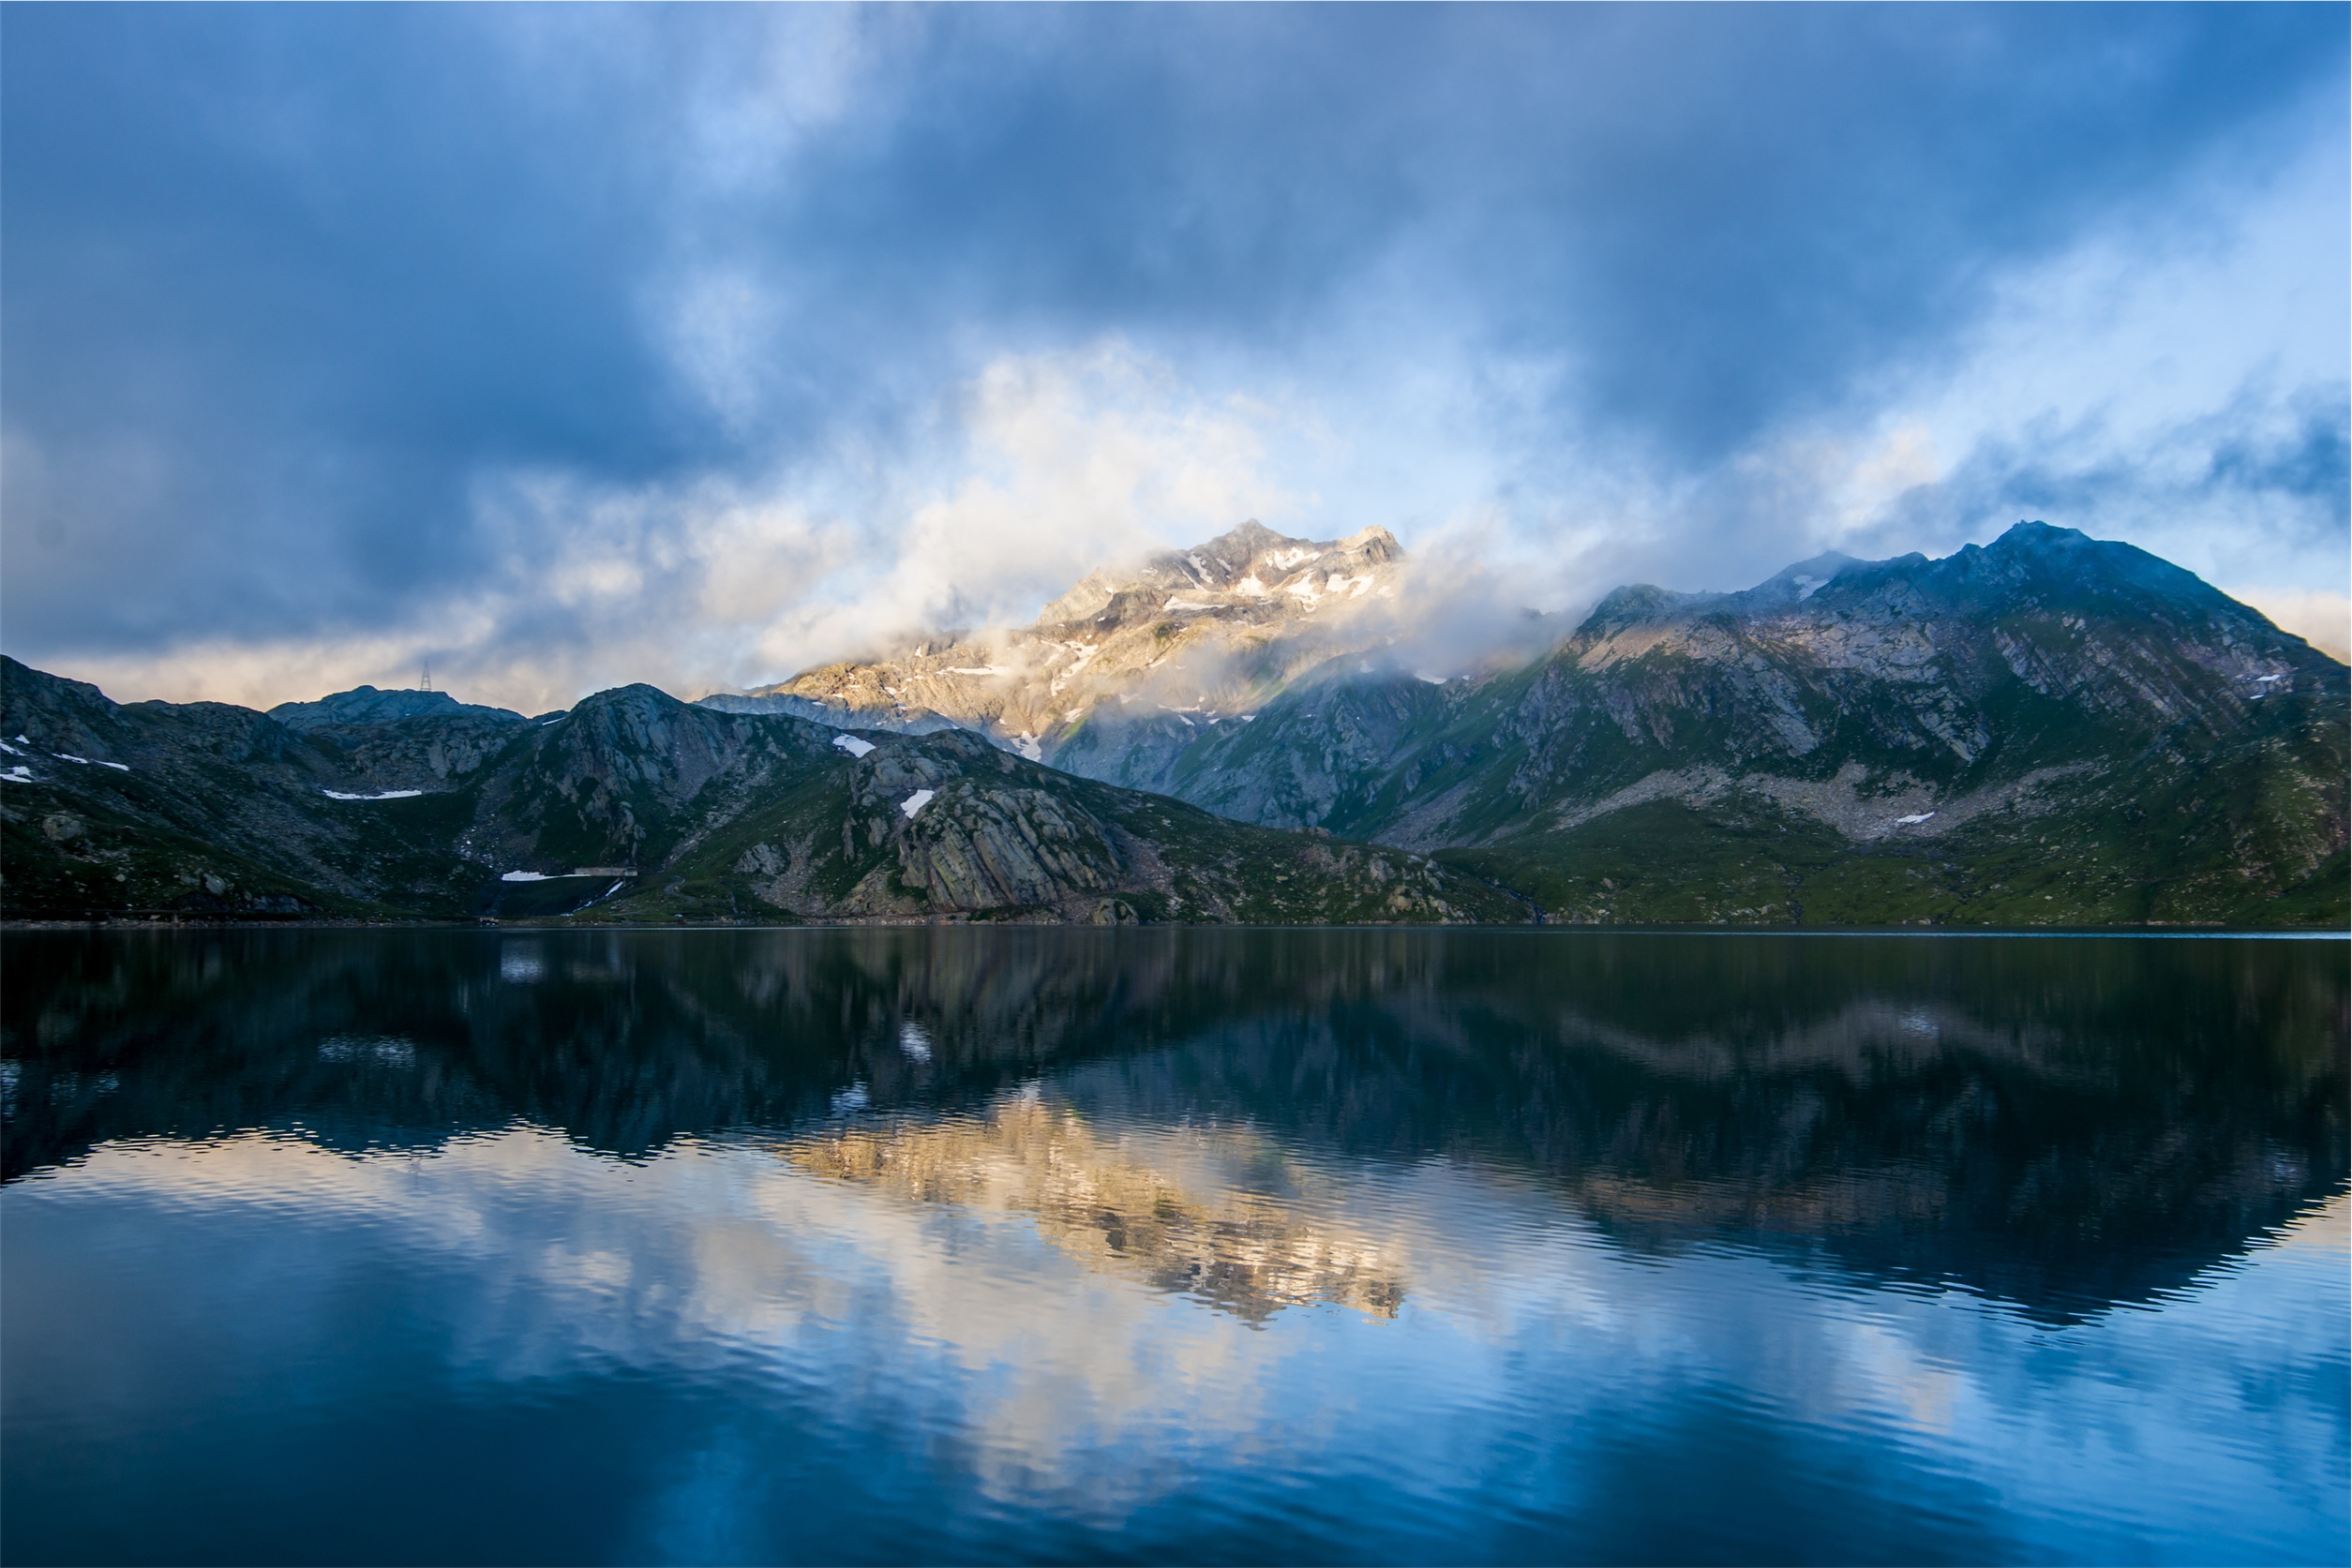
column 365, row 705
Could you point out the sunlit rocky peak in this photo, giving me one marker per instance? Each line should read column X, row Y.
column 1203, row 635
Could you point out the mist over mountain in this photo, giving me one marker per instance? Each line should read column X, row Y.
column 1212, row 630
column 2048, row 730
column 1884, row 739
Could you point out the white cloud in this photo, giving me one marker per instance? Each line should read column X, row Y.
column 1048, row 466
column 1038, row 470
column 719, row 330
column 778, row 77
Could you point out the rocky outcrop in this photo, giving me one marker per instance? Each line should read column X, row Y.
column 364, row 706
column 964, row 836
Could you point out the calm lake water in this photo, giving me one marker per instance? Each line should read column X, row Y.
column 1042, row 1245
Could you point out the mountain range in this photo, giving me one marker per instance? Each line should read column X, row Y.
column 631, row 806
column 2048, row 729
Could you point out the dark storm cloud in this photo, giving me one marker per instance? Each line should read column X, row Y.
column 1713, row 212
column 284, row 285
column 298, row 271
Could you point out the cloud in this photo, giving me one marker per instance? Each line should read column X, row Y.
column 2266, row 472
column 2181, row 382
column 354, row 329
column 1026, row 477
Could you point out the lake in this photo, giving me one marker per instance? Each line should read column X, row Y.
column 962, row 1244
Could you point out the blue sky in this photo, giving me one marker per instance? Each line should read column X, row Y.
column 572, row 346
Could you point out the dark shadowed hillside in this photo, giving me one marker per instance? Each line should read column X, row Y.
column 633, row 805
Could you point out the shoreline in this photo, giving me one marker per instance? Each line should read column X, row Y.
column 2152, row 931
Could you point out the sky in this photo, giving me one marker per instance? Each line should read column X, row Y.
column 566, row 347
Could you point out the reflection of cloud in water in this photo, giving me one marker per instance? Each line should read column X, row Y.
column 991, row 1321
column 1248, row 1252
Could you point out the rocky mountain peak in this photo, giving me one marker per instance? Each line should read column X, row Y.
column 1249, row 568
column 1237, row 547
column 2038, row 537
column 2040, row 563
column 1212, row 630
column 1634, row 604
column 366, row 705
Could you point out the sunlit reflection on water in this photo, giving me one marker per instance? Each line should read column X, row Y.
column 1432, row 1269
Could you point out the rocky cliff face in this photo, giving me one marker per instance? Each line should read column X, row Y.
column 949, row 825
column 1183, row 639
column 633, row 805
column 979, row 839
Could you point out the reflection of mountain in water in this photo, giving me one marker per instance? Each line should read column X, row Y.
column 1249, row 1252
column 2062, row 1123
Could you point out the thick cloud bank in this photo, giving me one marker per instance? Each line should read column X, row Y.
column 567, row 347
